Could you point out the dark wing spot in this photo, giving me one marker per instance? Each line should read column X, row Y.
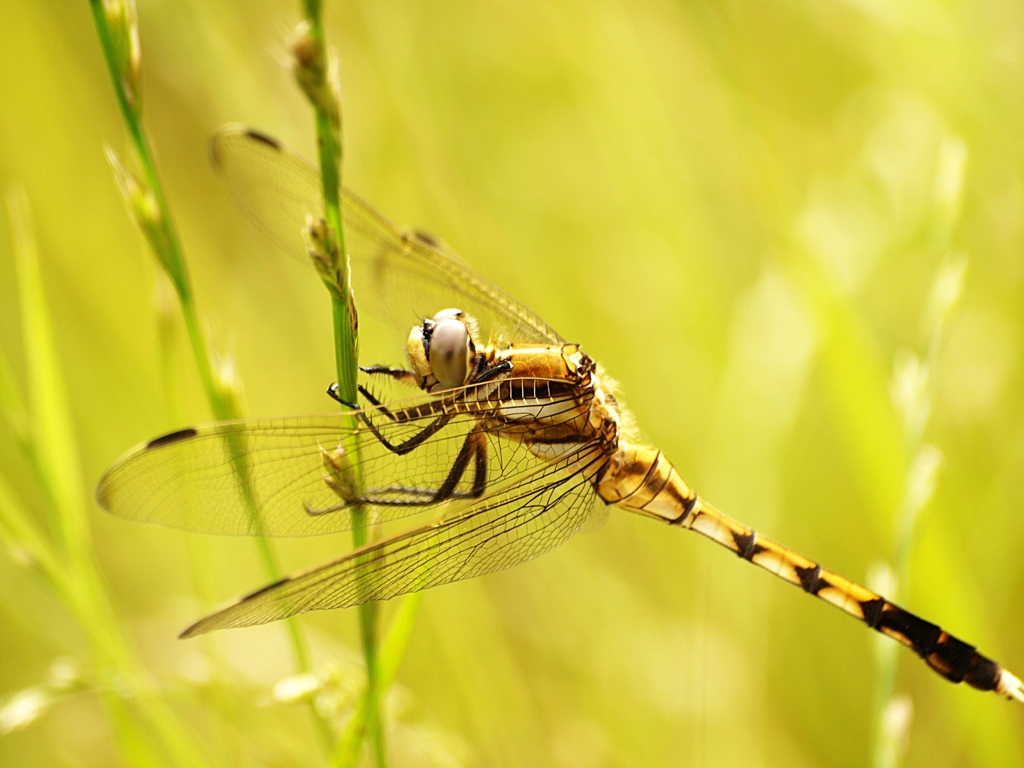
column 269, row 586
column 425, row 237
column 270, row 141
column 172, row 437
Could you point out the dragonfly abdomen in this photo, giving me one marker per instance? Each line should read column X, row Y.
column 643, row 480
column 954, row 659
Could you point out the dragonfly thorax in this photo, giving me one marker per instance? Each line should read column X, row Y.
column 442, row 350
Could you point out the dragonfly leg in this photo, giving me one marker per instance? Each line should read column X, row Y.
column 334, row 393
column 398, row 374
column 474, row 448
column 372, row 400
column 447, row 408
column 503, row 367
column 413, row 442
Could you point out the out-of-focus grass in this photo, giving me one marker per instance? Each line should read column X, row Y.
column 734, row 208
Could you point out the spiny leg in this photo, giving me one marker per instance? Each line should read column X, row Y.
column 447, row 407
column 413, row 442
column 420, row 411
column 474, row 447
column 400, row 374
column 396, row 373
column 951, row 657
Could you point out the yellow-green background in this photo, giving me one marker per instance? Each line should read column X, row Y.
column 737, row 208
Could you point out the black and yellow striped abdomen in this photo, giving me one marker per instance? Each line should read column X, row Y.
column 644, row 481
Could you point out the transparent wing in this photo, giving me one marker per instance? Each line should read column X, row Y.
column 287, row 477
column 400, row 275
column 522, row 520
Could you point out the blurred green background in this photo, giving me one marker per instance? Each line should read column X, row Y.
column 740, row 210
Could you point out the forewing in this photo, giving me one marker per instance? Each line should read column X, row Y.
column 256, row 477
column 521, row 520
column 293, row 476
column 400, row 275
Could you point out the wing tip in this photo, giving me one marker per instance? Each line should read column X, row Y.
column 222, row 619
column 238, row 129
column 210, row 623
column 103, row 492
column 107, row 487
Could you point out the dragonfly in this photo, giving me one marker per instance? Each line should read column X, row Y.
column 514, row 442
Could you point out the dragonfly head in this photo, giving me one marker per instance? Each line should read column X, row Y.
column 442, row 350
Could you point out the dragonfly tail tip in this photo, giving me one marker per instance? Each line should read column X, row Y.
column 1010, row 686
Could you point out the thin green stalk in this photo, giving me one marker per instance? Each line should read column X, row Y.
column 312, row 74
column 117, row 30
column 18, row 530
column 368, row 613
column 391, row 652
column 67, row 561
column 52, row 447
column 199, row 546
column 913, row 391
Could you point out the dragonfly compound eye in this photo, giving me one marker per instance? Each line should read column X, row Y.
column 451, row 353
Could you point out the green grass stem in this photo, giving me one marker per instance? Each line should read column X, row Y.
column 313, row 74
column 150, row 208
column 914, row 394
column 151, row 734
column 392, row 650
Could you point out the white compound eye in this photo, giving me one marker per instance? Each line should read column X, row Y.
column 451, row 352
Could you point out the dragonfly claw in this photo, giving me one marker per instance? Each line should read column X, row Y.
column 333, row 393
